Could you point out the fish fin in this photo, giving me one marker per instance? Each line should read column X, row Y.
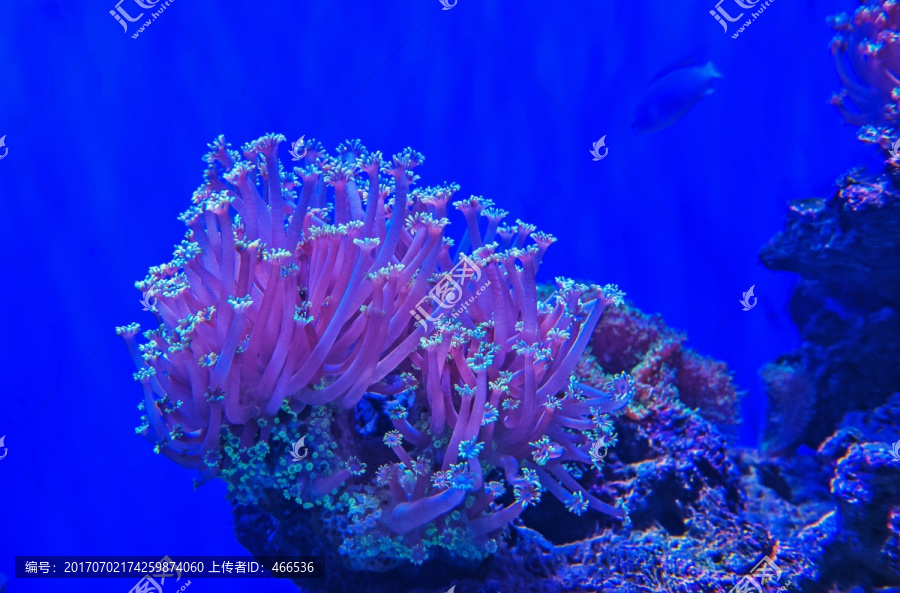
column 691, row 60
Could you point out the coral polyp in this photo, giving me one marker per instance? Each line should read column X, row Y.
column 867, row 56
column 296, row 300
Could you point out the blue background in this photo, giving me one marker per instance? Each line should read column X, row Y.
column 106, row 135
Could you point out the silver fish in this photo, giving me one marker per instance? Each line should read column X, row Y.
column 672, row 94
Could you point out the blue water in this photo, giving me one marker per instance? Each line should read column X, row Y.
column 106, row 134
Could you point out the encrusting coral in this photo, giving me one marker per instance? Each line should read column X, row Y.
column 628, row 340
column 293, row 296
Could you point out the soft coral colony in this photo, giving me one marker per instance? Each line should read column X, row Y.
column 291, row 299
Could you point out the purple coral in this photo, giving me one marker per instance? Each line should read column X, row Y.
column 514, row 354
column 296, row 291
column 867, row 56
column 279, row 295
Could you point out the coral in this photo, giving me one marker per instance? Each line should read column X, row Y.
column 845, row 244
column 865, row 53
column 792, row 401
column 268, row 294
column 667, row 466
column 685, row 497
column 628, row 340
column 866, row 550
column 866, row 478
column 880, row 424
column 707, row 385
column 838, row 505
column 625, row 335
column 824, row 422
column 297, row 300
column 845, row 306
column 830, row 490
column 674, row 463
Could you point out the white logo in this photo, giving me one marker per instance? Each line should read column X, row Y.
column 447, row 6
column 746, row 299
column 727, row 16
column 3, row 145
column 764, row 571
column 295, row 147
column 148, row 5
column 448, row 293
column 124, row 14
column 5, row 448
column 895, row 149
column 601, row 143
column 895, row 451
column 451, row 589
column 149, row 302
column 596, row 455
column 296, row 452
column 149, row 582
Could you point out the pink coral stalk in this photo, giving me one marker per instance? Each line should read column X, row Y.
column 276, row 297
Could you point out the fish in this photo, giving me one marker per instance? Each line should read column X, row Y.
column 672, row 94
